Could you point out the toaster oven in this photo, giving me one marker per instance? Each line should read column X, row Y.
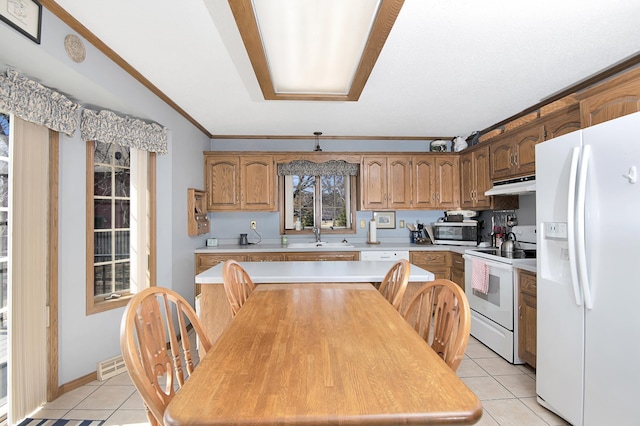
column 465, row 233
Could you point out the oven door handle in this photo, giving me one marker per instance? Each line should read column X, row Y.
column 490, row 263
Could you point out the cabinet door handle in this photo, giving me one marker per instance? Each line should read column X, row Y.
column 520, row 311
column 515, row 159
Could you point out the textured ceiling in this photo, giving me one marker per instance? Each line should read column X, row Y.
column 449, row 67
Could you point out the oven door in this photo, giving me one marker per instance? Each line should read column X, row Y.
column 497, row 304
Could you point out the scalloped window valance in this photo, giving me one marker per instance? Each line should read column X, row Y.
column 108, row 127
column 36, row 103
column 309, row 168
column 33, row 102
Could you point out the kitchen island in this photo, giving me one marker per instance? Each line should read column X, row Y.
column 213, row 306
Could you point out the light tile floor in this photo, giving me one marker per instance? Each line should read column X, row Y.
column 507, row 392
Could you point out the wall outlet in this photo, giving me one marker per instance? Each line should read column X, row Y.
column 254, row 224
column 362, row 224
column 401, row 223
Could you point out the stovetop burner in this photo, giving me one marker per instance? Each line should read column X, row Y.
column 516, row 254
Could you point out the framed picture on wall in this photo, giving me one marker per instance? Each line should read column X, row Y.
column 385, row 220
column 23, row 15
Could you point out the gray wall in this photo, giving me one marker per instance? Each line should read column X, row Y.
column 98, row 83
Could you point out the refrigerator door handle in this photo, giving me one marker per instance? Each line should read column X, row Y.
column 571, row 237
column 580, row 226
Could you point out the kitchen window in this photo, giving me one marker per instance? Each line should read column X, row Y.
column 118, row 218
column 317, row 195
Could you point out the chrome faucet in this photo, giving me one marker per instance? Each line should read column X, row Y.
column 316, row 232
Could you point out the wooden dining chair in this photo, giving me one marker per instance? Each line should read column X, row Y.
column 395, row 283
column 439, row 312
column 159, row 357
column 237, row 285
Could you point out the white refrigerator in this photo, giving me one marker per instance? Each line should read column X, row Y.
column 588, row 274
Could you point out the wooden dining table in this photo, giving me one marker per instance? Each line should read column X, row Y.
column 321, row 354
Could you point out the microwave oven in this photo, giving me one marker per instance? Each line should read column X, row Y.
column 463, row 233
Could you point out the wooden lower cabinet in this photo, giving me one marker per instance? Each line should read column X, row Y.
column 527, row 317
column 205, row 261
column 457, row 269
column 436, row 262
column 265, row 257
column 327, row 255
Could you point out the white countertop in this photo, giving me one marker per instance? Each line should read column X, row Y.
column 314, row 271
column 383, row 246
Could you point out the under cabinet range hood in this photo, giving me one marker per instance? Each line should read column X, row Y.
column 516, row 186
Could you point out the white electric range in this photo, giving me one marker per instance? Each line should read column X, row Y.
column 494, row 315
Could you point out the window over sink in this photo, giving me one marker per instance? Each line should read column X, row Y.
column 318, row 195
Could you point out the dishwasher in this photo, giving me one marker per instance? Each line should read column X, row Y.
column 384, row 255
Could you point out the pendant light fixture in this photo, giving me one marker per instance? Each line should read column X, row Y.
column 317, row 141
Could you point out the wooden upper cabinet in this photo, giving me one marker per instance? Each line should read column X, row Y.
column 561, row 122
column 424, row 182
column 240, row 182
column 611, row 99
column 513, row 154
column 399, row 183
column 447, row 182
column 417, row 182
column 436, row 181
column 386, row 182
column 258, row 183
column 222, row 182
column 475, row 179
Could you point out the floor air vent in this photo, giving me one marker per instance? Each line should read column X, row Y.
column 110, row 367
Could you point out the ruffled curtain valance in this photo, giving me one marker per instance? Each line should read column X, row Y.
column 31, row 101
column 309, row 168
column 108, row 127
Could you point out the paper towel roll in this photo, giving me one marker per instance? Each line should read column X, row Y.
column 372, row 231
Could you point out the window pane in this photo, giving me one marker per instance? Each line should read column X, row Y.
column 4, row 184
column 4, row 135
column 122, row 245
column 4, row 236
column 122, row 214
column 122, row 157
column 103, row 153
column 122, row 182
column 304, row 199
column 334, row 214
column 102, row 181
column 4, row 282
column 102, row 214
column 122, row 276
column 102, row 280
column 102, row 247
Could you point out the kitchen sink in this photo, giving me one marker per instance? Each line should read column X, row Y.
column 321, row 244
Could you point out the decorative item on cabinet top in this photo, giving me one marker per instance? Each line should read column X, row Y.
column 198, row 222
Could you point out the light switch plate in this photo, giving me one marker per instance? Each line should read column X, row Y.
column 362, row 224
column 401, row 223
